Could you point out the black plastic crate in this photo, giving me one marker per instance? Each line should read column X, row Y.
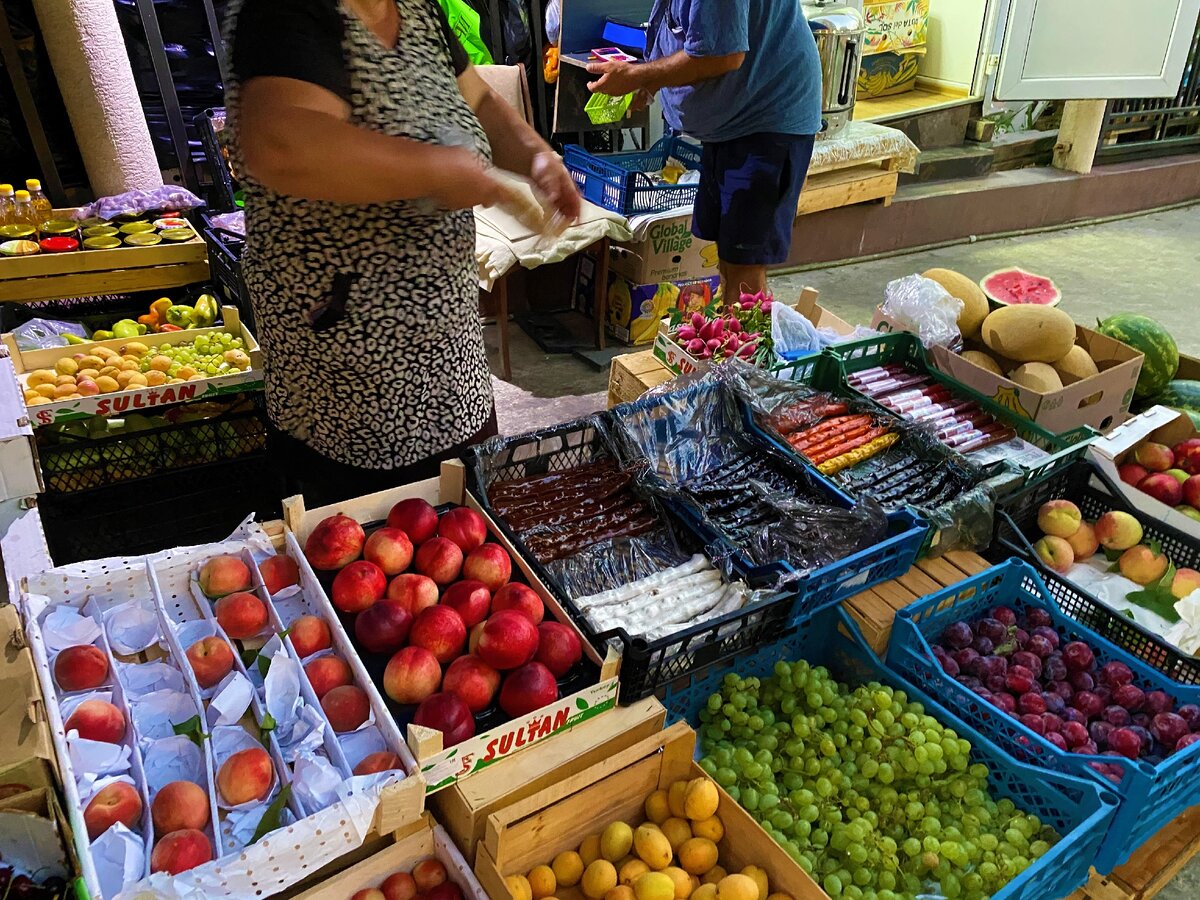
column 194, row 506
column 646, row 666
column 97, row 311
column 1016, row 532
column 225, row 263
column 223, row 191
column 74, row 462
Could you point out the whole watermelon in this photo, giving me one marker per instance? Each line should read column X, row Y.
column 1148, row 336
column 1181, row 395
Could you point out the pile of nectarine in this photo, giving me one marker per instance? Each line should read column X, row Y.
column 180, row 813
column 427, row 881
column 436, row 598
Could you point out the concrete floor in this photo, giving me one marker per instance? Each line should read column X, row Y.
column 1148, row 264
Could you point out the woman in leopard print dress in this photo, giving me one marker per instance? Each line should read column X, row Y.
column 361, row 132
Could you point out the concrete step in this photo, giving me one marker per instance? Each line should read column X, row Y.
column 968, row 161
column 937, row 129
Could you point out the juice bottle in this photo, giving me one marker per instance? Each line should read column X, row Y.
column 8, row 205
column 26, row 215
column 41, row 203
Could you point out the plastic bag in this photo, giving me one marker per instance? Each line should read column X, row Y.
column 464, row 22
column 793, row 336
column 133, row 203
column 923, row 306
column 234, row 222
column 38, row 334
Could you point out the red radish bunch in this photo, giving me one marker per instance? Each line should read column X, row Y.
column 720, row 337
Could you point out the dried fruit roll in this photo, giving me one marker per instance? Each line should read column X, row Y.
column 858, row 455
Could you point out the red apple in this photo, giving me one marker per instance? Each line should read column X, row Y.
column 489, row 563
column 440, row 559
column 463, row 526
column 429, row 873
column 211, row 660
column 97, row 720
column 241, row 615
column 473, row 680
column 411, row 675
column 1132, row 473
column 522, row 598
column 1155, row 457
column 441, row 631
column 383, row 628
column 559, row 647
column 113, row 803
column 310, row 635
column 447, row 713
column 358, row 586
column 1191, row 491
column 1162, row 487
column 334, row 543
column 399, row 886
column 278, row 572
column 413, row 592
column 508, row 640
column 528, row 688
column 81, row 668
column 1187, row 455
column 416, row 518
column 390, row 549
column 470, row 599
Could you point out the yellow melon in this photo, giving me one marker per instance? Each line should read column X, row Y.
column 1029, row 333
column 974, row 301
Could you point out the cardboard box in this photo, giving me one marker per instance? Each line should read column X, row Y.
column 672, row 355
column 634, row 310
column 1158, row 424
column 20, row 474
column 668, row 252
column 1101, row 401
column 633, row 374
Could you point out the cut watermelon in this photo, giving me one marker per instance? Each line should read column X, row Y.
column 1011, row 287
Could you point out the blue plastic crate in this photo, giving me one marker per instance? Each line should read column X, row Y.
column 1079, row 809
column 621, row 181
column 1150, row 795
column 665, row 420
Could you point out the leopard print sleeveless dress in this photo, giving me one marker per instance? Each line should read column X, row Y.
column 403, row 374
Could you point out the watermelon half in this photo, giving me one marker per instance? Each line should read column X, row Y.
column 1013, row 287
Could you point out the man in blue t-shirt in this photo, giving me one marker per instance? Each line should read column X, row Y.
column 742, row 76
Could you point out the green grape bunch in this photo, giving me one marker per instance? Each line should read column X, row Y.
column 869, row 795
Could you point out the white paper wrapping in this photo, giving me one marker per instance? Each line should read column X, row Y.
column 316, row 782
column 64, row 627
column 175, row 758
column 1185, row 634
column 140, row 679
column 120, row 858
column 229, row 700
column 155, row 715
column 132, row 627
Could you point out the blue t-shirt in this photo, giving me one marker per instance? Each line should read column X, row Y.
column 778, row 87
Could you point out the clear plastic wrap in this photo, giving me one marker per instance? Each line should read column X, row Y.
column 793, row 336
column 169, row 197
column 40, row 334
column 923, row 306
column 916, row 470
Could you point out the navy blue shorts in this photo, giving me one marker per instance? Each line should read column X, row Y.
column 749, row 189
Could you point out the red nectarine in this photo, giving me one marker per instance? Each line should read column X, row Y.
column 81, row 668
column 179, row 805
column 473, row 680
column 358, row 586
column 179, row 851
column 413, row 592
column 440, row 559
column 336, row 542
column 508, row 640
column 489, row 563
column 390, row 549
column 327, row 672
column 447, row 713
column 113, row 803
column 470, row 599
column 416, row 518
column 310, row 635
column 383, row 628
column 383, row 761
column 559, row 647
column 411, row 675
column 463, row 526
column 241, row 615
column 97, row 720
column 528, row 688
column 211, row 660
column 246, row 776
column 346, row 707
column 278, row 572
column 522, row 598
column 441, row 631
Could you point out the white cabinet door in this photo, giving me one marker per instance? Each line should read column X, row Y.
column 1095, row 49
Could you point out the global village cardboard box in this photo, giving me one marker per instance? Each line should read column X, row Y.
column 667, row 252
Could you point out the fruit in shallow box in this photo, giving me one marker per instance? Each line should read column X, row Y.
column 1084, row 542
column 440, row 559
column 1147, row 336
column 1118, row 530
column 441, row 631
column 278, row 572
column 428, row 873
column 470, row 599
column 1187, row 455
column 336, row 542
column 245, row 776
column 508, row 639
column 559, row 647
column 1163, row 487
column 211, row 660
column 1154, row 457
column 1076, row 366
column 416, row 518
column 399, row 886
column 1056, row 553
column 179, row 805
column 390, row 549
column 309, row 635
column 383, row 627
column 241, row 615
column 346, row 707
column 358, row 586
column 464, row 527
column 113, row 803
column 413, row 592
column 382, row 761
column 522, row 598
column 1191, row 491
column 473, row 680
column 180, row 851
column 1184, row 583
column 223, row 575
column 81, row 668
column 490, row 564
column 447, row 713
column 326, row 673
column 1029, row 333
column 97, row 720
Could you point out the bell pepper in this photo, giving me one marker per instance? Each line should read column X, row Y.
column 183, row 316
column 207, row 310
column 168, row 327
column 126, row 328
column 158, row 314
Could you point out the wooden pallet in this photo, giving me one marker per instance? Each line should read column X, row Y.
column 874, row 610
column 860, row 183
column 1154, row 864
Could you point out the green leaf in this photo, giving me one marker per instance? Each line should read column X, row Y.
column 271, row 818
column 580, row 703
column 193, row 728
column 266, row 727
column 1128, row 613
column 264, row 665
column 1168, row 577
column 1112, row 555
column 1156, row 600
column 1115, row 567
column 1155, row 546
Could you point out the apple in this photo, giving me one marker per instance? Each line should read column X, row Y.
column 179, row 805
column 428, row 874
column 1162, row 487
column 368, row 894
column 383, row 628
column 346, row 707
column 211, row 660
column 326, row 673
column 241, row 615
column 528, row 688
column 412, row 675
column 180, row 850
column 335, row 543
column 81, row 668
column 440, row 559
column 310, row 635
column 278, row 572
column 489, row 563
column 470, row 599
column 473, row 680
column 97, row 720
column 113, row 803
column 1191, row 492
column 1178, row 474
column 246, row 776
column 447, row 713
column 223, row 575
column 1131, row 473
column 416, row 518
column 390, row 549
column 559, row 647
column 522, row 598
column 463, row 526
column 448, row 890
column 1155, row 457
column 1190, row 511
column 508, row 640
column 399, row 886
column 358, row 586
column 441, row 631
column 1187, row 455
column 413, row 592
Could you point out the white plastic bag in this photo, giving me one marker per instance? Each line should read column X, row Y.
column 923, row 306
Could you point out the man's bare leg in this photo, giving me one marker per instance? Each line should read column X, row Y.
column 735, row 277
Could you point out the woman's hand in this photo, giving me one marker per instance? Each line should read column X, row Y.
column 555, row 183
column 464, row 182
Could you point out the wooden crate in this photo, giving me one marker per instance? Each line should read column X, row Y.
column 423, row 839
column 51, row 276
column 845, row 187
column 558, row 818
column 1152, row 866
column 464, row 808
column 441, row 767
column 633, row 374
column 874, row 610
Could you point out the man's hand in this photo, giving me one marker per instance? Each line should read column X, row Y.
column 617, row 78
column 555, row 183
column 641, row 100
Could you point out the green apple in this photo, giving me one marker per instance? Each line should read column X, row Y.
column 1190, row 512
column 1179, row 475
